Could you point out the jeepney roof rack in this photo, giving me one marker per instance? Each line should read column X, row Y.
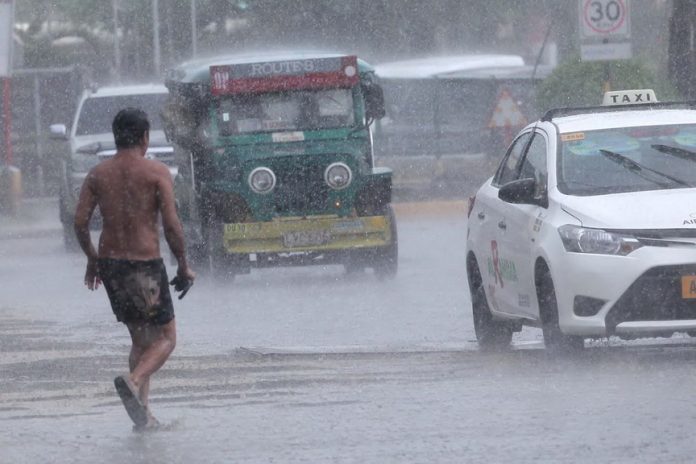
column 572, row 111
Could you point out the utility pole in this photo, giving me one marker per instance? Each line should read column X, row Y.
column 117, row 45
column 157, row 61
column 194, row 32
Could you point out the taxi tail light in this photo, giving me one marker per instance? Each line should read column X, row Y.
column 472, row 200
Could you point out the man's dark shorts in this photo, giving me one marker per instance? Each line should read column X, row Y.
column 138, row 290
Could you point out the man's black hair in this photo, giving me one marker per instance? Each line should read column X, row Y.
column 129, row 127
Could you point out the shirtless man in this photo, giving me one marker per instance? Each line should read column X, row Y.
column 131, row 193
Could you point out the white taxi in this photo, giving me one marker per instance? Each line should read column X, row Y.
column 588, row 227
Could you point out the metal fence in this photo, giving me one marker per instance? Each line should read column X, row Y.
column 39, row 98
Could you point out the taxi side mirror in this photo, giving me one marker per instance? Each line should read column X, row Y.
column 522, row 191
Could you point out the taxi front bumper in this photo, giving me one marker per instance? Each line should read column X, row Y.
column 643, row 294
column 314, row 234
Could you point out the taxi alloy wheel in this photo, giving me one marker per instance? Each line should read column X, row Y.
column 490, row 334
column 554, row 338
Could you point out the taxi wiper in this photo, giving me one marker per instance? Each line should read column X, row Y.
column 677, row 152
column 637, row 168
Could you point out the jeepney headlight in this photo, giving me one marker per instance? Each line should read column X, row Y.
column 262, row 180
column 596, row 241
column 338, row 176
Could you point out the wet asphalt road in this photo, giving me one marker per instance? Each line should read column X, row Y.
column 311, row 365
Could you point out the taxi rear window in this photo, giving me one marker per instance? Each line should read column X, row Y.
column 627, row 159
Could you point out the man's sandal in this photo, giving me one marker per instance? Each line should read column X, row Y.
column 134, row 407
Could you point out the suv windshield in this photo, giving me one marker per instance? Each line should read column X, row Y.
column 98, row 113
column 297, row 110
column 627, row 159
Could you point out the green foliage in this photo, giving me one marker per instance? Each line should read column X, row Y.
column 581, row 83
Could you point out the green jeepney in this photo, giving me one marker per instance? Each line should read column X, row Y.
column 276, row 162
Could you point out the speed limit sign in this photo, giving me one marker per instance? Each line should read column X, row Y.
column 604, row 19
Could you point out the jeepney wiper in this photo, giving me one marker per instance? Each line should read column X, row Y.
column 681, row 153
column 637, row 168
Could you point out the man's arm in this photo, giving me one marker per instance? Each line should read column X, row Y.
column 173, row 231
column 83, row 213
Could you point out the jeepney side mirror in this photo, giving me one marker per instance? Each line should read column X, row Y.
column 58, row 132
column 374, row 101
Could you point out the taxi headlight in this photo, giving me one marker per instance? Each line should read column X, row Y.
column 338, row 176
column 262, row 180
column 596, row 241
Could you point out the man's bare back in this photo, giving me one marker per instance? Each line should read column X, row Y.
column 127, row 189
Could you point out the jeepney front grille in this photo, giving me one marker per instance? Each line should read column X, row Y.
column 300, row 185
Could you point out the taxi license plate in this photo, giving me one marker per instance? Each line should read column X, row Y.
column 308, row 238
column 688, row 284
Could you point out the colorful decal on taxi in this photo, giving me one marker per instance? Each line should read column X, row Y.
column 572, row 137
column 500, row 268
column 611, row 141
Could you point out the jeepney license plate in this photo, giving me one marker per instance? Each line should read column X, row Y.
column 305, row 238
column 688, row 284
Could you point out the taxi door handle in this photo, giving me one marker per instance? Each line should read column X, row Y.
column 502, row 225
column 481, row 215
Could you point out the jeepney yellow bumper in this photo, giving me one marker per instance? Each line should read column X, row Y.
column 307, row 234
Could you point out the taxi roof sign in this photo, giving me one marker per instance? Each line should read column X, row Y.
column 629, row 97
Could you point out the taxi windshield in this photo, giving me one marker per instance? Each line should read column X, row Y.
column 282, row 111
column 627, row 159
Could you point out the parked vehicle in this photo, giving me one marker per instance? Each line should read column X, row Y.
column 91, row 140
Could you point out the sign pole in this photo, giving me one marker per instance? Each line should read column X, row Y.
column 10, row 176
column 7, row 120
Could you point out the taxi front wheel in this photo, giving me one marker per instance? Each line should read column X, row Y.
column 554, row 338
column 490, row 334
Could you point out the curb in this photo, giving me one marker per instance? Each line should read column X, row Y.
column 432, row 208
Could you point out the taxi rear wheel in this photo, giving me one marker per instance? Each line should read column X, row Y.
column 554, row 338
column 490, row 334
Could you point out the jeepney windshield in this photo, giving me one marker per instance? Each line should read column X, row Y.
column 281, row 111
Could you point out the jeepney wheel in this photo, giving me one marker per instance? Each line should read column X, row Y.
column 222, row 265
column 554, row 339
column 490, row 334
column 387, row 260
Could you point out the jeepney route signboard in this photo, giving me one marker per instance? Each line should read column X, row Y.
column 334, row 72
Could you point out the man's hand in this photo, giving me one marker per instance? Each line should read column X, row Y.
column 185, row 272
column 92, row 280
column 183, row 280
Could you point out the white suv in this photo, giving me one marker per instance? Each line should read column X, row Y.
column 91, row 140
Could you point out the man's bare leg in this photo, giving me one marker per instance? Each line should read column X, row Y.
column 151, row 348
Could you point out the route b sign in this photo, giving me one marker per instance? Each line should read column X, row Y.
column 605, row 29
